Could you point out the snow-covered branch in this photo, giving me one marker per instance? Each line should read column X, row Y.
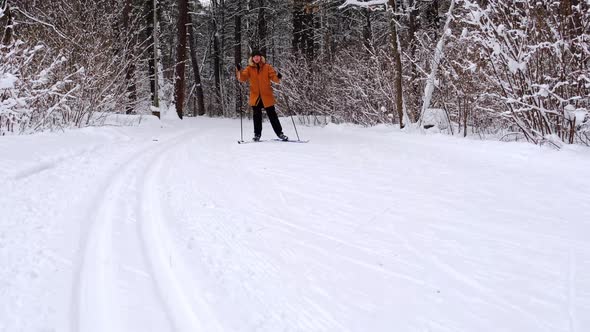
column 364, row 4
column 31, row 17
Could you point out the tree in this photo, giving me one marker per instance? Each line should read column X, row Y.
column 395, row 46
column 438, row 54
column 8, row 29
column 180, row 81
column 238, row 51
column 303, row 28
column 130, row 71
column 151, row 33
column 217, row 35
column 261, row 41
column 195, row 65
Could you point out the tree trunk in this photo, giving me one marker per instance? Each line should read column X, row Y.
column 262, row 39
column 414, row 82
column 297, row 27
column 238, row 51
column 304, row 28
column 216, row 54
column 179, row 85
column 9, row 30
column 220, row 66
column 216, row 69
column 195, row 64
column 367, row 30
column 150, row 32
column 399, row 97
column 130, row 70
column 436, row 59
column 309, row 31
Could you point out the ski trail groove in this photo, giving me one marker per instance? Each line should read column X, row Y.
column 166, row 264
column 45, row 165
column 95, row 278
column 571, row 295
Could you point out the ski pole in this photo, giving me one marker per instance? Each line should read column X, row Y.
column 290, row 113
column 241, row 112
column 241, row 126
column 294, row 126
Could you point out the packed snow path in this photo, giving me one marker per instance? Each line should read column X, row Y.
column 178, row 228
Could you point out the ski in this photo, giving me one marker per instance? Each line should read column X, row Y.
column 248, row 142
column 273, row 140
column 290, row 141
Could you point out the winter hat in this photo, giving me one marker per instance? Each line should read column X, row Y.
column 255, row 53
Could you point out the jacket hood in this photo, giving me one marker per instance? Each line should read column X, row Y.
column 251, row 62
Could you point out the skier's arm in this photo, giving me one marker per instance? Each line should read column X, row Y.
column 272, row 74
column 243, row 75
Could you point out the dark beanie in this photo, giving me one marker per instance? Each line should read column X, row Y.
column 255, row 52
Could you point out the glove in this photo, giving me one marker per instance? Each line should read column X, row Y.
column 238, row 67
column 279, row 75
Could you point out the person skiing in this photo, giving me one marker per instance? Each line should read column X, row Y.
column 260, row 74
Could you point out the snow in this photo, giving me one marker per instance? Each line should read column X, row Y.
column 172, row 226
column 515, row 66
column 575, row 114
column 436, row 117
column 7, row 81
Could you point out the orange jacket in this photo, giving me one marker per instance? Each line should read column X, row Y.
column 260, row 76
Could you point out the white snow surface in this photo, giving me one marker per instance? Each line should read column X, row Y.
column 7, row 81
column 174, row 226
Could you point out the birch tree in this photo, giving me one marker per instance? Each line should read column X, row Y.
column 431, row 81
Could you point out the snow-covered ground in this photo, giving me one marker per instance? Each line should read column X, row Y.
column 175, row 227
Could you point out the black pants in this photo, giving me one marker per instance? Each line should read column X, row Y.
column 272, row 116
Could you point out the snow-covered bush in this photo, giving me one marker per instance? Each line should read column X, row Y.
column 70, row 66
column 508, row 67
column 527, row 63
column 34, row 89
column 356, row 88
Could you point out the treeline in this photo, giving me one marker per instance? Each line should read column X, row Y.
column 512, row 70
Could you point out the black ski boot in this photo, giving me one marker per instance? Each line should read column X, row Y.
column 283, row 137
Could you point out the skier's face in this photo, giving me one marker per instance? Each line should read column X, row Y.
column 256, row 59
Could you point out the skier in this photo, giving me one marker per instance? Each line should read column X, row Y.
column 260, row 75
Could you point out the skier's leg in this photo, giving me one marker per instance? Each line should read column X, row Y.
column 274, row 120
column 257, row 117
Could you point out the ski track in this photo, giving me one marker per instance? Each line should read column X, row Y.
column 167, row 267
column 192, row 233
column 571, row 291
column 51, row 163
column 255, row 233
column 98, row 284
column 302, row 312
column 300, row 309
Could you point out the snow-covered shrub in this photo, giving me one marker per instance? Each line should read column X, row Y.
column 356, row 89
column 72, row 66
column 525, row 62
column 34, row 89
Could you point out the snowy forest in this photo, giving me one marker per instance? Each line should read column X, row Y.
column 494, row 69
